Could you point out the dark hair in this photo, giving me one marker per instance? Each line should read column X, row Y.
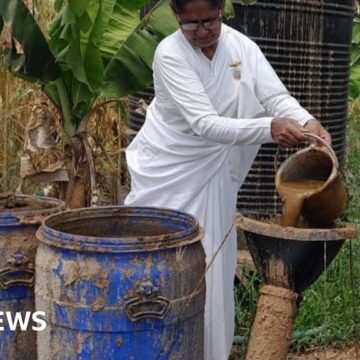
column 180, row 4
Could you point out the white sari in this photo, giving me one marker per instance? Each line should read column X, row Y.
column 201, row 135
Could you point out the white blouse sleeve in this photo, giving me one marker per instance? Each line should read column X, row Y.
column 183, row 87
column 273, row 94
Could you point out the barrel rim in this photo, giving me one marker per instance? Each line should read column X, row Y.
column 342, row 231
column 30, row 217
column 326, row 150
column 60, row 239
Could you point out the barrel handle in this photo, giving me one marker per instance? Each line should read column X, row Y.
column 148, row 304
column 328, row 147
column 156, row 308
column 13, row 276
column 331, row 151
column 19, row 272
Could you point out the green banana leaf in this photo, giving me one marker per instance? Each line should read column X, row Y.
column 100, row 47
column 248, row 2
column 229, row 11
column 129, row 69
column 31, row 59
column 354, row 80
column 80, row 36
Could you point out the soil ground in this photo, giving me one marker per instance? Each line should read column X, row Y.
column 318, row 354
column 329, row 354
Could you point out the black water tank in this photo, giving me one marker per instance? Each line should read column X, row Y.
column 308, row 44
column 137, row 105
column 136, row 115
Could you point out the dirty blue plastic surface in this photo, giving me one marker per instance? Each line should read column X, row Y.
column 119, row 296
column 17, row 298
column 18, row 224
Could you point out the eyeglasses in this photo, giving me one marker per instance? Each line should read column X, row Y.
column 208, row 25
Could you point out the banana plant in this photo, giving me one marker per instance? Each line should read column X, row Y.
column 96, row 48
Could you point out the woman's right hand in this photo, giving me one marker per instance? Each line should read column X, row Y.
column 287, row 132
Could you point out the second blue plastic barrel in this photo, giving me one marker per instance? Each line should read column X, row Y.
column 20, row 217
column 121, row 283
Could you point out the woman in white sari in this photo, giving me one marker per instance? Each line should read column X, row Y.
column 217, row 100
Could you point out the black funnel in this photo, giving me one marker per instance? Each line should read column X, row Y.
column 292, row 258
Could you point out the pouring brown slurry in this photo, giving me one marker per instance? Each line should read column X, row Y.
column 309, row 185
column 293, row 193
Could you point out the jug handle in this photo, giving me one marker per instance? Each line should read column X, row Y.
column 328, row 147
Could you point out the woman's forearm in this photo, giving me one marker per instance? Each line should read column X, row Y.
column 284, row 105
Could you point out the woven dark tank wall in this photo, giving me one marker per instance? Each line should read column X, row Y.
column 308, row 44
column 137, row 110
column 139, row 101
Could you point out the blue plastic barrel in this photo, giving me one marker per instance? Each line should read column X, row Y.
column 121, row 283
column 20, row 217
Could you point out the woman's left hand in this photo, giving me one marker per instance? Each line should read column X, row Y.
column 314, row 126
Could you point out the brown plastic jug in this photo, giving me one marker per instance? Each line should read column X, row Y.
column 309, row 184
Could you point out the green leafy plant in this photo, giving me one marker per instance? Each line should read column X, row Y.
column 354, row 82
column 96, row 49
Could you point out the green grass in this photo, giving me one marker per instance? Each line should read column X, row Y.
column 331, row 305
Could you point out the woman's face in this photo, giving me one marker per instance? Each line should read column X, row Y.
column 200, row 23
